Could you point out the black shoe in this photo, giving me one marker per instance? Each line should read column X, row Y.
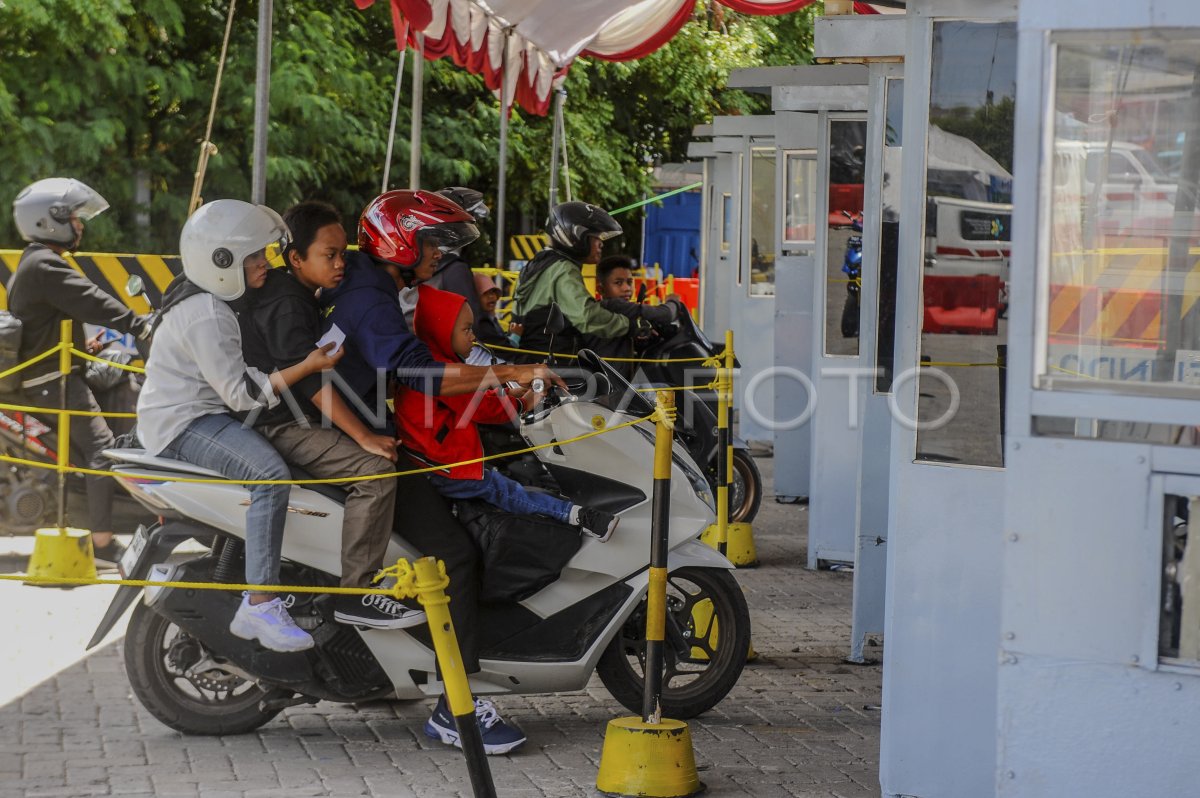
column 597, row 523
column 376, row 611
column 108, row 554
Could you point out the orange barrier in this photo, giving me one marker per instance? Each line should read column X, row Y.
column 964, row 305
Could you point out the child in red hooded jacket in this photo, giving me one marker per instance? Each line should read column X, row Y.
column 441, row 429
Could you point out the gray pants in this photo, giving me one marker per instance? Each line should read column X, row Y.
column 370, row 504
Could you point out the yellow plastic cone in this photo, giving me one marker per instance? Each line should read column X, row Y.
column 62, row 553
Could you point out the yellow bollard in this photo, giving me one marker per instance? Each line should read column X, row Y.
column 651, row 755
column 58, row 551
column 431, row 584
column 733, row 539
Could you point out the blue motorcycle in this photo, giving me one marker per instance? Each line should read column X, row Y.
column 852, row 268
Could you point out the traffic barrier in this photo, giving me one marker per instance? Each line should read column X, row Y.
column 109, row 271
column 964, row 305
column 651, row 755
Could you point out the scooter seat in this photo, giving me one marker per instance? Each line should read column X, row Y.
column 334, row 492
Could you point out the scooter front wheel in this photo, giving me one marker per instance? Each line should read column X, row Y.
column 180, row 683
column 708, row 638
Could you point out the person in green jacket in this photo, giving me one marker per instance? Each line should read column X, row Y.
column 577, row 233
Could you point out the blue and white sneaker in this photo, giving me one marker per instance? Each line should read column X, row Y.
column 498, row 737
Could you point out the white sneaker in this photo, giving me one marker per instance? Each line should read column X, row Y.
column 269, row 624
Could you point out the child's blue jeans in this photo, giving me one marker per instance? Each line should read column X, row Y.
column 505, row 493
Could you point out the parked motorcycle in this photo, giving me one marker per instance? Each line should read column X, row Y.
column 852, row 268
column 191, row 673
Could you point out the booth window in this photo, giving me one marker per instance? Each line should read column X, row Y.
column 763, row 220
column 968, row 213
column 889, row 236
column 1119, row 269
column 799, row 180
column 847, row 141
column 726, row 223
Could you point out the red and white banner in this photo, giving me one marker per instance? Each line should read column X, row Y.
column 540, row 38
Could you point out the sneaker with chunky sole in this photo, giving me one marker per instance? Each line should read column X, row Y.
column 270, row 624
column 498, row 736
column 597, row 523
column 376, row 611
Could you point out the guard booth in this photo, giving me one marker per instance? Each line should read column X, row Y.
column 737, row 268
column 946, row 477
column 1099, row 625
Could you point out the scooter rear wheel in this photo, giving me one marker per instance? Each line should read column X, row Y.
column 745, row 487
column 161, row 661
column 708, row 638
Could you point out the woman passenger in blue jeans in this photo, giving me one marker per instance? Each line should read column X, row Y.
column 196, row 380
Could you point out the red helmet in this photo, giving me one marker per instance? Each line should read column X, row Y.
column 395, row 225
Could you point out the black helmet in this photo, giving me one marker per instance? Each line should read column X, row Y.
column 571, row 223
column 468, row 199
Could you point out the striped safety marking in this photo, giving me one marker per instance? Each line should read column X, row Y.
column 1122, row 304
column 109, row 271
column 524, row 247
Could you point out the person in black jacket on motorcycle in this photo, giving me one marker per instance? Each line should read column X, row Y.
column 44, row 291
column 577, row 232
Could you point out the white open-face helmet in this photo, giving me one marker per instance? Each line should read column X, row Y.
column 219, row 236
column 43, row 210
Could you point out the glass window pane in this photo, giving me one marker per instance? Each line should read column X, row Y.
column 726, row 222
column 843, row 256
column 763, row 221
column 799, row 226
column 1123, row 273
column 889, row 238
column 968, row 191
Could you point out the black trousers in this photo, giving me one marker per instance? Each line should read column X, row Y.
column 90, row 436
column 424, row 520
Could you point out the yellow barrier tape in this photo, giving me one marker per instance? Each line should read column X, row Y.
column 708, row 387
column 714, row 361
column 36, row 359
column 404, row 587
column 54, row 410
column 106, row 362
column 1074, row 373
column 327, row 481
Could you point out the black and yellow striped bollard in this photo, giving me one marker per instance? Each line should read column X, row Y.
column 651, row 755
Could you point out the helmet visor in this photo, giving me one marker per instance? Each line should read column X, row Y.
column 83, row 201
column 449, row 236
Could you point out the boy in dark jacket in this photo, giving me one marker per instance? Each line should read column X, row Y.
column 283, row 324
column 614, row 284
column 440, row 430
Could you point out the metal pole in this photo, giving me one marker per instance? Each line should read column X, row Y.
column 387, row 161
column 418, row 99
column 724, row 443
column 554, row 150
column 63, row 442
column 656, row 596
column 505, row 100
column 430, row 585
column 562, row 131
column 262, row 102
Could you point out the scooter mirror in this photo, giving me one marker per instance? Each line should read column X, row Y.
column 134, row 286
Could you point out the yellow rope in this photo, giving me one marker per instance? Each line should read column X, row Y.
column 54, row 410
column 105, row 362
column 327, row 481
column 949, row 365
column 36, row 359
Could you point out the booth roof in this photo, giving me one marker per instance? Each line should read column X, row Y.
column 545, row 36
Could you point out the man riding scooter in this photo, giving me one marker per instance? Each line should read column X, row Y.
column 44, row 291
column 577, row 233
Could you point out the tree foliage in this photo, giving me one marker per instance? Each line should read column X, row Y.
column 116, row 93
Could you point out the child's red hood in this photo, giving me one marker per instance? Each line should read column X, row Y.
column 436, row 313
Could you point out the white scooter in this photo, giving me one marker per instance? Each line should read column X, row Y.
column 192, row 674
